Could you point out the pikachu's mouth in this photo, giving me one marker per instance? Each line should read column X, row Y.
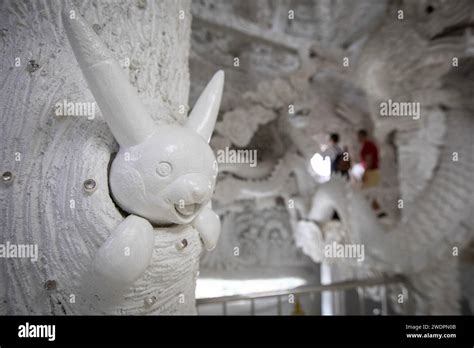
column 186, row 210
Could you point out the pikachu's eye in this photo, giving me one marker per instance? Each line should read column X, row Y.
column 164, row 169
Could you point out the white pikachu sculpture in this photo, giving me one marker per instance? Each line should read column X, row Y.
column 162, row 175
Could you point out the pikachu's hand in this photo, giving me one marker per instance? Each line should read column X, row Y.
column 127, row 252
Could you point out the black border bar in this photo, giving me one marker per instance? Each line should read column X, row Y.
column 139, row 330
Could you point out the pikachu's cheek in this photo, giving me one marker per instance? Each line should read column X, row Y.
column 127, row 187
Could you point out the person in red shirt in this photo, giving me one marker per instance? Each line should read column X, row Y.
column 369, row 153
column 369, row 157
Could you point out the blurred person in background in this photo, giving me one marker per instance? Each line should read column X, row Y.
column 334, row 150
column 340, row 161
column 369, row 159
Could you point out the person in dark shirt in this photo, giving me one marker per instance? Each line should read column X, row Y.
column 334, row 150
column 340, row 161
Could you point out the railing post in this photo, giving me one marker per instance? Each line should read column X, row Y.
column 384, row 300
column 224, row 308
column 411, row 300
column 361, row 296
column 279, row 305
column 252, row 306
column 406, row 300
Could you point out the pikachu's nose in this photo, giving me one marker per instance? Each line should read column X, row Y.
column 201, row 188
column 198, row 187
column 199, row 192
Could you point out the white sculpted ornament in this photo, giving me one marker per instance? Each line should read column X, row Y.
column 162, row 175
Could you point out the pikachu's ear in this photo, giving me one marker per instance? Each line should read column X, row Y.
column 202, row 118
column 125, row 115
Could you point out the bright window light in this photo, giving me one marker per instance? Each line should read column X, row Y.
column 357, row 171
column 212, row 287
column 321, row 166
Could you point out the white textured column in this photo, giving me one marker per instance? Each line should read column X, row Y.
column 45, row 203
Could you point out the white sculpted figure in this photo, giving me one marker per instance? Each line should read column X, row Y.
column 162, row 175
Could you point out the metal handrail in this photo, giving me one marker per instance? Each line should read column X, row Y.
column 344, row 285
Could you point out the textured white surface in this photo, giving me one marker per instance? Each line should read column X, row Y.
column 59, row 153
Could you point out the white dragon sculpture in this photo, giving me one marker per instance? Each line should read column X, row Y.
column 435, row 162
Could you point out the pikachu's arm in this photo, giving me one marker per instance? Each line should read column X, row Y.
column 208, row 225
column 126, row 253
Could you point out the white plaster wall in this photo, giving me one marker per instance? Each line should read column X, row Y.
column 58, row 154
